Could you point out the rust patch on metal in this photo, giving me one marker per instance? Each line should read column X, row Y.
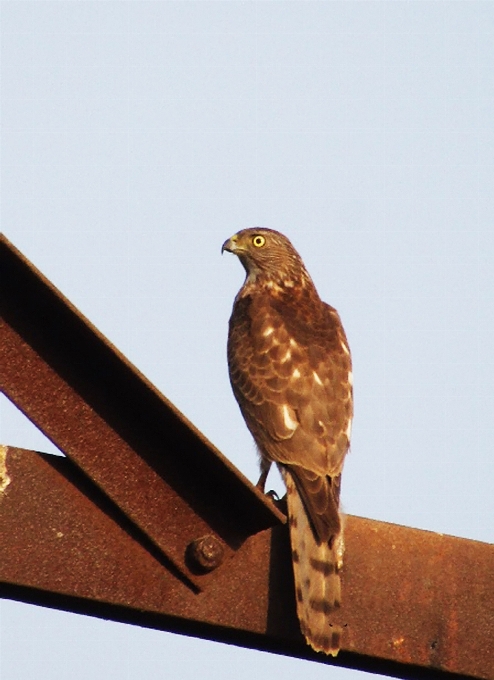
column 418, row 597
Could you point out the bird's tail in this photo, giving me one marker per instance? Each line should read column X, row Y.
column 316, row 568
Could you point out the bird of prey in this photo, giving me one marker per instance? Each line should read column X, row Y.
column 291, row 373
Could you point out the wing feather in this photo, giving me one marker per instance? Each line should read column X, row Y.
column 285, row 372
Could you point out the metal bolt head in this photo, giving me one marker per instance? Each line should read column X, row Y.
column 205, row 553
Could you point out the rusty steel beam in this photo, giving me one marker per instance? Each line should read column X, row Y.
column 123, row 530
column 416, row 604
column 114, row 425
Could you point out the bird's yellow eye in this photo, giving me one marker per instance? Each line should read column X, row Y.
column 258, row 241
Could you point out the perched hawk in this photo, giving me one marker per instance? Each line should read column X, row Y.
column 290, row 370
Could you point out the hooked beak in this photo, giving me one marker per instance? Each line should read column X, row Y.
column 230, row 245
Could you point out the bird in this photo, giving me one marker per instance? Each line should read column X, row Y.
column 291, row 373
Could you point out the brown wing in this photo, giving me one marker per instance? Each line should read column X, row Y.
column 290, row 370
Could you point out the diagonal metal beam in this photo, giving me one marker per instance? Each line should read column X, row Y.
column 113, row 423
column 416, row 604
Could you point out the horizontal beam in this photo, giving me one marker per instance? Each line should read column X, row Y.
column 415, row 603
column 88, row 399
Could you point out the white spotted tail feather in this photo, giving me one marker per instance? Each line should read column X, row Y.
column 316, row 573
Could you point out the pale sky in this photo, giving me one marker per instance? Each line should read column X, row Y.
column 137, row 136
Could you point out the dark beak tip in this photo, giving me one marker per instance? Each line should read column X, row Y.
column 225, row 247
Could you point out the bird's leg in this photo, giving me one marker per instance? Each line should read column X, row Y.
column 265, row 467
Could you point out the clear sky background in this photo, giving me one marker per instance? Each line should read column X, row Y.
column 137, row 136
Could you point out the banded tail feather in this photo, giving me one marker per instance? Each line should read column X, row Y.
column 316, row 567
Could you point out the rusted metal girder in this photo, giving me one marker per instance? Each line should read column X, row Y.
column 122, row 530
column 415, row 603
column 115, row 425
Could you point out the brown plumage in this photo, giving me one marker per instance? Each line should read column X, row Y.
column 290, row 371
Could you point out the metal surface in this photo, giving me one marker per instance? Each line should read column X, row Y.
column 61, row 535
column 415, row 603
column 123, row 530
column 206, row 553
column 109, row 420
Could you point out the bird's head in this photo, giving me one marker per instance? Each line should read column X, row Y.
column 267, row 256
